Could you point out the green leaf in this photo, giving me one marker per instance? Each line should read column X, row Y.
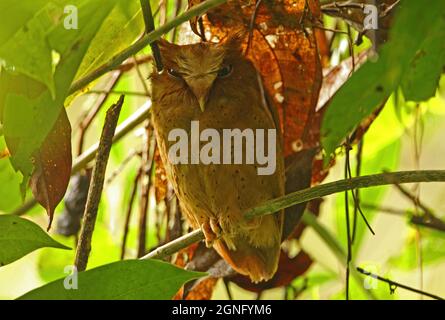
column 123, row 280
column 23, row 39
column 18, row 237
column 372, row 84
column 421, row 80
column 28, row 119
column 433, row 250
column 124, row 25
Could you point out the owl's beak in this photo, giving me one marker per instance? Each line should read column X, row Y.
column 201, row 89
column 202, row 103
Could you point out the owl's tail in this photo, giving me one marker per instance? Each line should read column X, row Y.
column 256, row 252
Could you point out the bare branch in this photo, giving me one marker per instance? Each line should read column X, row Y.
column 96, row 187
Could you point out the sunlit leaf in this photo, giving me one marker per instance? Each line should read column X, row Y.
column 123, row 280
column 28, row 119
column 421, row 80
column 432, row 246
column 368, row 88
column 19, row 236
column 23, row 42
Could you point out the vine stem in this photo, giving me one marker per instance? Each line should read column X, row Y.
column 308, row 194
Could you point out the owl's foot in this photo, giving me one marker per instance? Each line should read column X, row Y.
column 209, row 235
column 216, row 228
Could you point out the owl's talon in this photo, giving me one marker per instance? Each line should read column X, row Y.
column 209, row 235
column 216, row 228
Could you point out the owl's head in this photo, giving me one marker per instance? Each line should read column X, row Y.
column 197, row 68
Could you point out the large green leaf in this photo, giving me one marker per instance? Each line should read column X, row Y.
column 123, row 25
column 368, row 88
column 421, row 80
column 28, row 119
column 123, row 280
column 19, row 236
column 28, row 49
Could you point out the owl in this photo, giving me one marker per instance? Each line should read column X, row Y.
column 216, row 86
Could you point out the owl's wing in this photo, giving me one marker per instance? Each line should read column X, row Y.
column 269, row 106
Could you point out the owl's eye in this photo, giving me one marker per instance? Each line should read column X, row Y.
column 225, row 71
column 174, row 73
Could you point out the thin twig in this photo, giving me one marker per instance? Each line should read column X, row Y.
column 394, row 285
column 357, row 192
column 145, row 182
column 92, row 112
column 357, row 204
column 122, row 166
column 175, row 245
column 128, row 215
column 252, row 26
column 431, row 222
column 177, row 10
column 415, row 200
column 149, row 27
column 119, row 92
column 96, row 186
column 227, row 287
column 348, row 225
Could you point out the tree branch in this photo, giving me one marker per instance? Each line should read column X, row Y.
column 308, row 194
column 343, row 185
column 149, row 27
column 96, row 187
column 394, row 285
column 175, row 245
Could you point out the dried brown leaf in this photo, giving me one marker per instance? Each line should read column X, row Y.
column 52, row 162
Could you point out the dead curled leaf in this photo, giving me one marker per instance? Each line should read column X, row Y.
column 52, row 162
column 284, row 53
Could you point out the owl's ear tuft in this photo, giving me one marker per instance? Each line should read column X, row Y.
column 235, row 40
column 168, row 49
column 165, row 45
